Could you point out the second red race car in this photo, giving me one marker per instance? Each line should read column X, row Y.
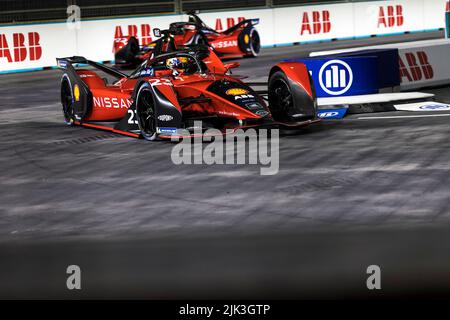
column 241, row 40
column 166, row 96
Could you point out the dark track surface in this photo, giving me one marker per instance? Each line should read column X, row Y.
column 114, row 197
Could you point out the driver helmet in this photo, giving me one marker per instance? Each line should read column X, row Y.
column 178, row 63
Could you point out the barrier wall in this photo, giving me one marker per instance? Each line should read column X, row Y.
column 421, row 63
column 37, row 45
column 424, row 65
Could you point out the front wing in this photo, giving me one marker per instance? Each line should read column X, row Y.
column 181, row 134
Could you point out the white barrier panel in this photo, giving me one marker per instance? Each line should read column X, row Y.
column 432, row 14
column 312, row 23
column 34, row 46
column 387, row 17
column 424, row 65
column 37, row 45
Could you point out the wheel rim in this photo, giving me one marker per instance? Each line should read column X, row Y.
column 146, row 113
column 282, row 100
column 67, row 103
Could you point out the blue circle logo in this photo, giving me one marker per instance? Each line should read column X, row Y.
column 335, row 77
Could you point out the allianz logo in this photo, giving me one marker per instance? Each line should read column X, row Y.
column 335, row 77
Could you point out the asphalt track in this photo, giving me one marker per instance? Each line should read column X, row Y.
column 364, row 190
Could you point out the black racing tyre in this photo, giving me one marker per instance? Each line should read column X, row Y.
column 249, row 42
column 67, row 102
column 289, row 102
column 145, row 112
column 255, row 43
column 281, row 98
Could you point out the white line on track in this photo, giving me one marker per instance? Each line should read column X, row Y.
column 398, row 117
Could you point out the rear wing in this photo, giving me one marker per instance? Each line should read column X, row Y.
column 243, row 24
column 82, row 96
column 68, row 62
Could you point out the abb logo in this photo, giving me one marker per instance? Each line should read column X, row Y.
column 417, row 67
column 20, row 47
column 145, row 35
column 391, row 16
column 230, row 22
column 316, row 22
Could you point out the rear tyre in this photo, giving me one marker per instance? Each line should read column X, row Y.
column 249, row 42
column 67, row 102
column 145, row 112
column 255, row 43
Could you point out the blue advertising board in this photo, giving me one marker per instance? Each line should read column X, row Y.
column 388, row 67
column 354, row 73
column 343, row 76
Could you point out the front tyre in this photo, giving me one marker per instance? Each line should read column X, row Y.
column 289, row 102
column 281, row 100
column 145, row 112
column 67, row 102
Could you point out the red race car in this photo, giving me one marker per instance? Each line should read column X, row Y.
column 167, row 93
column 241, row 40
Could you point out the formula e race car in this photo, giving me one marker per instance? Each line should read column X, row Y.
column 241, row 40
column 165, row 95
